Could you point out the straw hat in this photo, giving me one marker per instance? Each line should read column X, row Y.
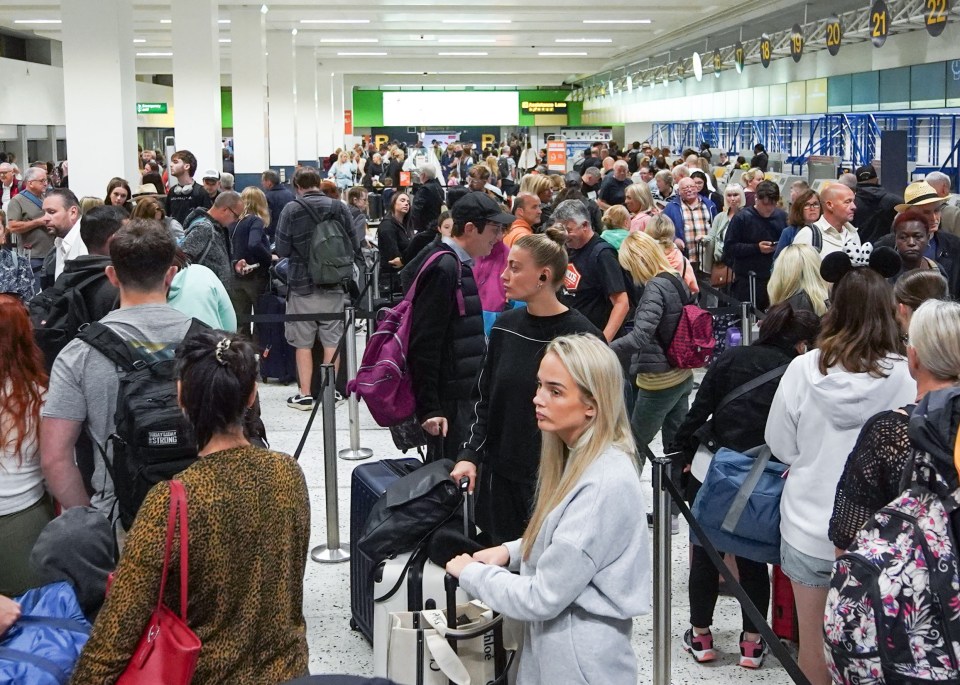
column 146, row 189
column 919, row 193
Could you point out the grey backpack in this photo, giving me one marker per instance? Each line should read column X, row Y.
column 331, row 258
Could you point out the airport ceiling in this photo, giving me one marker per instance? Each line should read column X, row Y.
column 507, row 42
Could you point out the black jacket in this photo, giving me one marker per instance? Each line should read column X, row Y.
column 656, row 321
column 875, row 211
column 180, row 204
column 427, row 204
column 249, row 242
column 746, row 230
column 740, row 424
column 100, row 296
column 948, row 257
column 278, row 197
column 392, row 241
column 446, row 349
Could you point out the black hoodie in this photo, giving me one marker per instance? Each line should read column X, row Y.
column 100, row 296
column 933, row 429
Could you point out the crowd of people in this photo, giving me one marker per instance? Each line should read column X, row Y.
column 543, row 314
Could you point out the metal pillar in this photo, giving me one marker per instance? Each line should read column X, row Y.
column 661, row 572
column 746, row 324
column 332, row 552
column 354, row 452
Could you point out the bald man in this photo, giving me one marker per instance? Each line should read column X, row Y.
column 837, row 203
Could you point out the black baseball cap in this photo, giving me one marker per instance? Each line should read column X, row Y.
column 866, row 173
column 478, row 205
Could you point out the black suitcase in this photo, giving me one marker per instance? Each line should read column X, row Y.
column 374, row 206
column 277, row 356
column 368, row 483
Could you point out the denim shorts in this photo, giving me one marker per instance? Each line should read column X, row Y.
column 803, row 569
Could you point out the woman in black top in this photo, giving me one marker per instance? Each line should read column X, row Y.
column 738, row 425
column 872, row 475
column 504, row 435
column 393, row 238
column 706, row 189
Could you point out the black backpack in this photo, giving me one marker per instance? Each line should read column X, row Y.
column 503, row 168
column 152, row 441
column 57, row 313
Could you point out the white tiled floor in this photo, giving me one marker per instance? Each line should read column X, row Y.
column 335, row 648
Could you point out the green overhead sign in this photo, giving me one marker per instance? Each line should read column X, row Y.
column 151, row 108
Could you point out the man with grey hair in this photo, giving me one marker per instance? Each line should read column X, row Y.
column 8, row 185
column 206, row 238
column 614, row 186
column 428, row 199
column 590, row 182
column 226, row 181
column 25, row 220
column 594, row 284
column 950, row 214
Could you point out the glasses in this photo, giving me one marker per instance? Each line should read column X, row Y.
column 497, row 228
column 234, row 212
column 812, row 205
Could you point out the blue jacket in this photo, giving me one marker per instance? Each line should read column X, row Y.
column 675, row 213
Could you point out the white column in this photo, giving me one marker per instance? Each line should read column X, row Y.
column 325, row 123
column 101, row 129
column 249, row 65
column 196, row 81
column 306, row 104
column 337, row 87
column 282, row 102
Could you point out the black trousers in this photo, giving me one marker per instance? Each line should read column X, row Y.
column 704, row 585
column 741, row 291
column 503, row 506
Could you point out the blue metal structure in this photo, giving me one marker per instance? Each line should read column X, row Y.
column 932, row 138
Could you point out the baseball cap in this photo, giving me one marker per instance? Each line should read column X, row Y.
column 212, row 174
column 865, row 173
column 572, row 179
column 478, row 205
column 919, row 193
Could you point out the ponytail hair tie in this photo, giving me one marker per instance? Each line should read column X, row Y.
column 222, row 347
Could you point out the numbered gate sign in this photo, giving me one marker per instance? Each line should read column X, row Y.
column 935, row 17
column 738, row 57
column 834, row 35
column 879, row 24
column 796, row 42
column 766, row 50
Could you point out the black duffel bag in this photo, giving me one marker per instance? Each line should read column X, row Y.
column 410, row 510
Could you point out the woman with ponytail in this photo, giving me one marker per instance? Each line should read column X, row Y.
column 584, row 559
column 249, row 527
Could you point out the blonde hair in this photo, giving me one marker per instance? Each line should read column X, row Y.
column 491, row 163
column 547, row 250
column 738, row 189
column 935, row 335
column 89, row 202
column 557, row 182
column 599, row 378
column 640, row 193
column 535, row 184
column 750, row 174
column 643, row 257
column 255, row 202
column 617, row 216
column 796, row 270
column 661, row 229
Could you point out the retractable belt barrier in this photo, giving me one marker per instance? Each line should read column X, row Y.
column 663, row 491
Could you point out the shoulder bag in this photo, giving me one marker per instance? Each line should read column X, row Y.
column 168, row 650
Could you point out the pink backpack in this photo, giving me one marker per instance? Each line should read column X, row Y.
column 383, row 380
column 693, row 343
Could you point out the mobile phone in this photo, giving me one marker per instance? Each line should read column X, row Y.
column 249, row 268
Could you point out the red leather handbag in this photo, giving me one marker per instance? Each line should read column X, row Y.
column 168, row 650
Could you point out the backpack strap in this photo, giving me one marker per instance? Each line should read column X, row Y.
column 105, row 340
column 675, row 281
column 816, row 237
column 743, row 389
column 411, row 293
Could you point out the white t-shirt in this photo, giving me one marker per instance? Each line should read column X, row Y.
column 21, row 480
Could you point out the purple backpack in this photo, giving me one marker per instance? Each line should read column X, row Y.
column 383, row 380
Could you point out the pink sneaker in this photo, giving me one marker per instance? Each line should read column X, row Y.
column 752, row 653
column 700, row 647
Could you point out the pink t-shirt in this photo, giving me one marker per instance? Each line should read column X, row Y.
column 684, row 268
column 640, row 219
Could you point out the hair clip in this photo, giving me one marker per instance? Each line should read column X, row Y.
column 222, row 347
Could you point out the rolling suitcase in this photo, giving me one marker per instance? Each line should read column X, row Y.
column 277, row 357
column 783, row 616
column 374, row 206
column 368, row 483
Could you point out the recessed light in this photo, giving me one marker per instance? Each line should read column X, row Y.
column 476, row 21
column 264, row 9
column 562, row 54
column 334, row 21
column 225, row 40
column 37, row 21
column 463, row 54
column 166, row 21
column 349, row 40
column 616, row 21
column 154, row 54
column 139, row 40
column 461, row 41
column 361, row 54
column 584, row 40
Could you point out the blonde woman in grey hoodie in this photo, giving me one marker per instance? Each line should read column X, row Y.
column 584, row 559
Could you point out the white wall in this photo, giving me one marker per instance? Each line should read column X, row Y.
column 32, row 94
column 151, row 92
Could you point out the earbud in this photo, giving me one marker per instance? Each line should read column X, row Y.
column 543, row 277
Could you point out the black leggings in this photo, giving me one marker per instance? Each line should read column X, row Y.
column 704, row 584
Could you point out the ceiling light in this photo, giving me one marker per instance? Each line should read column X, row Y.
column 37, row 21
column 562, row 54
column 476, row 21
column 349, row 40
column 361, row 54
column 223, row 21
column 334, row 21
column 461, row 41
column 264, row 9
column 166, row 21
column 154, row 54
column 139, row 40
column 293, row 32
column 616, row 21
column 225, row 40
column 463, row 54
column 584, row 40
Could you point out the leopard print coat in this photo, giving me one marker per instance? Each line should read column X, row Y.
column 249, row 522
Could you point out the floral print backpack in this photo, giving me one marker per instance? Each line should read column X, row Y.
column 893, row 610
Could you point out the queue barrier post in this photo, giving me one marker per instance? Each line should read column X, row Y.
column 661, row 571
column 333, row 552
column 354, row 452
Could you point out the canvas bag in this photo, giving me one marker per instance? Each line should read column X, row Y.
column 422, row 655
